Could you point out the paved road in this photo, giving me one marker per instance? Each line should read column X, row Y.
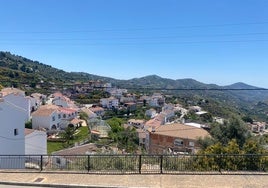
column 14, row 186
column 152, row 181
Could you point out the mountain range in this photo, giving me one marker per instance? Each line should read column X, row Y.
column 239, row 97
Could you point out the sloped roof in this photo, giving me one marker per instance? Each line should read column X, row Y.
column 181, row 131
column 78, row 150
column 10, row 90
column 88, row 111
column 28, row 131
column 45, row 110
column 96, row 109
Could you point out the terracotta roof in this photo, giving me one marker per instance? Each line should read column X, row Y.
column 95, row 132
column 181, row 131
column 153, row 123
column 67, row 110
column 9, row 90
column 95, row 109
column 79, row 150
column 130, row 103
column 75, row 121
column 57, row 94
column 49, row 106
column 157, row 121
column 88, row 111
column 43, row 112
column 28, row 131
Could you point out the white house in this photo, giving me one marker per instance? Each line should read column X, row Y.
column 89, row 113
column 47, row 117
column 151, row 113
column 35, row 142
column 99, row 111
column 52, row 117
column 109, row 102
column 12, row 139
column 137, row 123
column 156, row 100
column 60, row 100
column 36, row 100
column 17, row 98
column 67, row 113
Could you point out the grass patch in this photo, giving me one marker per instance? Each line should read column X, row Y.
column 54, row 146
column 80, row 135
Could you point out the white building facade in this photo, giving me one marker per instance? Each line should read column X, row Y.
column 109, row 102
column 46, row 118
column 21, row 102
column 12, row 139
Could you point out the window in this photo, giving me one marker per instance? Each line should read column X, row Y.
column 53, row 118
column 59, row 116
column 178, row 142
column 16, row 132
column 191, row 144
column 58, row 160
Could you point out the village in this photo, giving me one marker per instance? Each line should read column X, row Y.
column 32, row 124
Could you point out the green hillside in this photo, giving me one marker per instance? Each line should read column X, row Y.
column 34, row 76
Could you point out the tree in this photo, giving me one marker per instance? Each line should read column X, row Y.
column 28, row 125
column 125, row 138
column 128, row 139
column 83, row 116
column 205, row 142
column 115, row 124
column 232, row 129
column 247, row 119
column 68, row 134
column 23, row 68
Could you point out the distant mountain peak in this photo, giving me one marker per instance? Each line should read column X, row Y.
column 240, row 85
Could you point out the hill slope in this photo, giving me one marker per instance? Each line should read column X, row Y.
column 20, row 71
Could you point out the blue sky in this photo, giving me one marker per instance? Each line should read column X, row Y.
column 219, row 42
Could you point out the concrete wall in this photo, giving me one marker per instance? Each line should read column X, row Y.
column 36, row 143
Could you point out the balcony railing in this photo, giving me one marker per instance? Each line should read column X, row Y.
column 139, row 164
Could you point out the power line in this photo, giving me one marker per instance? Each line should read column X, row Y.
column 140, row 43
column 133, row 38
column 139, row 29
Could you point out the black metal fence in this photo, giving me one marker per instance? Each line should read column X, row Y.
column 138, row 164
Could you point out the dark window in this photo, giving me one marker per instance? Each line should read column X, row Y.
column 16, row 132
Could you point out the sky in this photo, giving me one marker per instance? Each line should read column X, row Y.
column 220, row 42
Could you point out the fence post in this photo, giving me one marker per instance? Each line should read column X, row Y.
column 161, row 164
column 88, row 163
column 221, row 162
column 41, row 164
column 139, row 164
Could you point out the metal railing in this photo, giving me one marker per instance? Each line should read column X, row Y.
column 138, row 164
